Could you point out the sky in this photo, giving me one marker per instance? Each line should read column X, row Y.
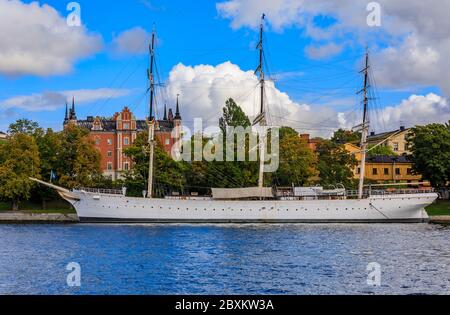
column 206, row 53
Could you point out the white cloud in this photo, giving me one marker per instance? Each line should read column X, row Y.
column 48, row 101
column 416, row 110
column 323, row 51
column 133, row 41
column 413, row 33
column 204, row 89
column 36, row 40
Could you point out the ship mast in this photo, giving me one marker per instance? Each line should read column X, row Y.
column 364, row 125
column 151, row 123
column 261, row 117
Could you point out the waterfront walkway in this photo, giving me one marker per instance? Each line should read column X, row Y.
column 24, row 217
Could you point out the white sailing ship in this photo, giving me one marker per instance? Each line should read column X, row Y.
column 254, row 204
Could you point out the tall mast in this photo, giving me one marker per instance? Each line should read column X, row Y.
column 364, row 126
column 151, row 125
column 261, row 116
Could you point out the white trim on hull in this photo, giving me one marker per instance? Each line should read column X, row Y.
column 94, row 207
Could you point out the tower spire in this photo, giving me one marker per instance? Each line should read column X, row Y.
column 66, row 117
column 73, row 115
column 165, row 112
column 177, row 110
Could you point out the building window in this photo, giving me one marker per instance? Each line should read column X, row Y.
column 386, row 171
column 409, row 171
column 126, row 141
column 395, row 146
column 126, row 166
column 109, row 153
column 374, row 171
column 126, row 126
column 358, row 170
column 167, row 141
column 109, row 141
column 109, row 166
column 397, row 171
column 97, row 141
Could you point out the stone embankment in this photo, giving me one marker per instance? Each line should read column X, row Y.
column 24, row 217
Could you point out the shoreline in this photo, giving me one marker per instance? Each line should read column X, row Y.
column 61, row 218
column 23, row 217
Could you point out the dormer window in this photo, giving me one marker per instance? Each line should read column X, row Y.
column 126, row 126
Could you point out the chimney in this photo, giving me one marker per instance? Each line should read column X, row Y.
column 372, row 133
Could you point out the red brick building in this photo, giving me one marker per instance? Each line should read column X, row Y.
column 113, row 135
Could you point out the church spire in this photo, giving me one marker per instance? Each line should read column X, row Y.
column 177, row 111
column 66, row 117
column 165, row 112
column 72, row 115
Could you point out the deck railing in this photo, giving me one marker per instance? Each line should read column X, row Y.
column 102, row 191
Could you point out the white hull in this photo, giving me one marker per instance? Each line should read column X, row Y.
column 94, row 207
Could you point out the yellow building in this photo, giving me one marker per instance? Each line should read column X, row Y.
column 384, row 168
column 395, row 139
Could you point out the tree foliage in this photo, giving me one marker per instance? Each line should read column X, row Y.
column 342, row 136
column 335, row 164
column 19, row 160
column 381, row 150
column 25, row 126
column 430, row 146
column 297, row 161
column 168, row 174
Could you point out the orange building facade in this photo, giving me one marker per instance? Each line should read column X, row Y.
column 111, row 136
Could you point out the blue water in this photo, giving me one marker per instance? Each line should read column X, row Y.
column 224, row 259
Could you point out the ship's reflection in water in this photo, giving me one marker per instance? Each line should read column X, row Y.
column 225, row 259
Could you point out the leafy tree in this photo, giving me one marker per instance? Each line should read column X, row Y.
column 233, row 173
column 297, row 161
column 19, row 160
column 25, row 126
column 342, row 136
column 49, row 144
column 233, row 115
column 335, row 164
column 430, row 146
column 78, row 159
column 381, row 150
column 168, row 174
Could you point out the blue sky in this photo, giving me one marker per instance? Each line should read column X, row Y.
column 192, row 33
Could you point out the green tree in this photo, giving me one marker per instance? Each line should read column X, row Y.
column 78, row 159
column 19, row 160
column 381, row 150
column 430, row 146
column 233, row 116
column 335, row 164
column 233, row 173
column 25, row 126
column 297, row 161
column 342, row 136
column 168, row 174
column 49, row 144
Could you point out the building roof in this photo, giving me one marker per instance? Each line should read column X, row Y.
column 388, row 159
column 384, row 135
column 109, row 124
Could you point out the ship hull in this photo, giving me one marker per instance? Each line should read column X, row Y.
column 95, row 208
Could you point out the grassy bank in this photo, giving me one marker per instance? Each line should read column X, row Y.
column 440, row 207
column 53, row 206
